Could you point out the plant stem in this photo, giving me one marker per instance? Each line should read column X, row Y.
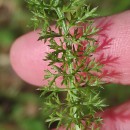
column 72, row 98
column 78, row 65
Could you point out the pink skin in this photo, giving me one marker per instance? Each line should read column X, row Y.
column 27, row 56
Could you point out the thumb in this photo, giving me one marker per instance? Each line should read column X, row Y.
column 117, row 118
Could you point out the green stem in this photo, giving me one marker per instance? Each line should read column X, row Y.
column 72, row 97
column 61, row 17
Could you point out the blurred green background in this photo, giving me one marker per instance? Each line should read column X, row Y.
column 20, row 104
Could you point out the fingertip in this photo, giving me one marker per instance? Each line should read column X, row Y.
column 26, row 57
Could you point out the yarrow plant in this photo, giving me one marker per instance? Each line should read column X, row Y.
column 71, row 60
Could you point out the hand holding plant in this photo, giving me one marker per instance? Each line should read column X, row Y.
column 76, row 88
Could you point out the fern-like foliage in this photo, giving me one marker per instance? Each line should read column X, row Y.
column 71, row 60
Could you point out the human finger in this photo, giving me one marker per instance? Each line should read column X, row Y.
column 27, row 53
